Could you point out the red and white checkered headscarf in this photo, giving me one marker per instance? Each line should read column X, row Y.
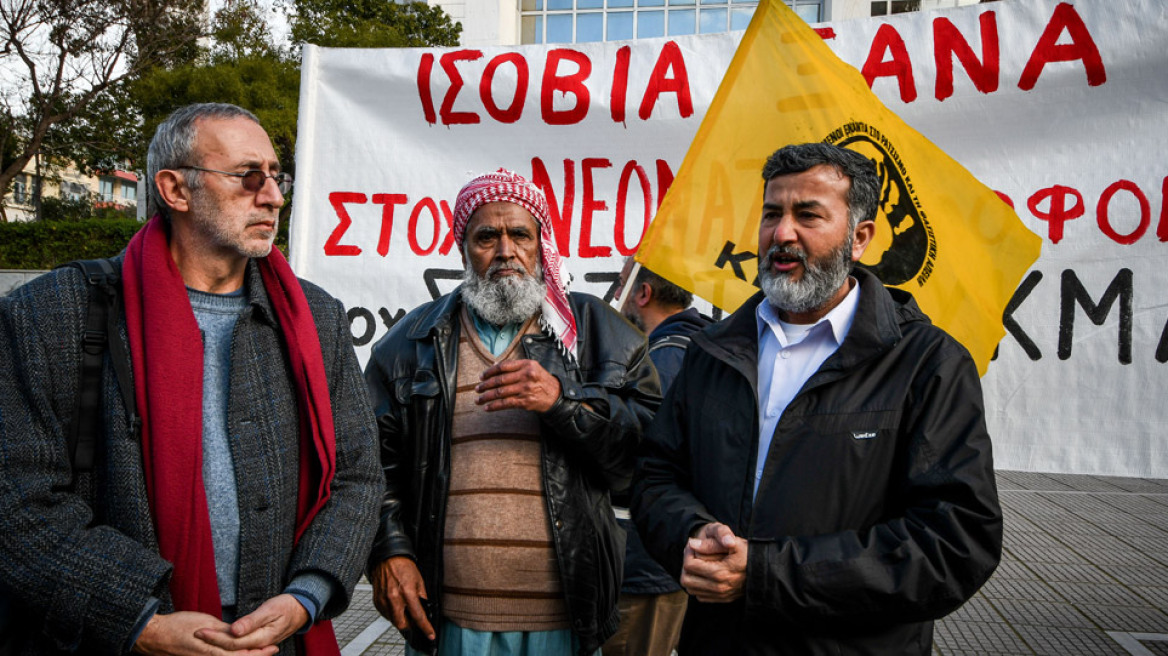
column 507, row 187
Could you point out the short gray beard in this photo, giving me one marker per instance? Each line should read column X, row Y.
column 634, row 319
column 508, row 300
column 821, row 279
column 210, row 218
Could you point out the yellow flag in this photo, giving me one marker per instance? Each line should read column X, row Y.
column 940, row 234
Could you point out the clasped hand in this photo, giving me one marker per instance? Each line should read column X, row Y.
column 713, row 568
column 256, row 634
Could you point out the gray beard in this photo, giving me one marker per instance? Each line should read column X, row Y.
column 508, row 300
column 635, row 319
column 821, row 278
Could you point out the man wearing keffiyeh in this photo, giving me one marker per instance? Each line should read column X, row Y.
column 507, row 410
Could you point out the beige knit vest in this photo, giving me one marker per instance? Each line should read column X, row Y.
column 500, row 563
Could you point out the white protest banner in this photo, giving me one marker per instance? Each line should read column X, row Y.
column 1058, row 106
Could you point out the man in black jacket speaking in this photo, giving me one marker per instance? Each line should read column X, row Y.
column 819, row 475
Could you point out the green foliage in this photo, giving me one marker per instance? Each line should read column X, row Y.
column 238, row 64
column 62, row 58
column 102, row 138
column 40, row 245
column 54, row 208
column 265, row 85
column 45, row 244
column 371, row 24
column 238, row 30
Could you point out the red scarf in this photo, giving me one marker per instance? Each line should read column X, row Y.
column 167, row 353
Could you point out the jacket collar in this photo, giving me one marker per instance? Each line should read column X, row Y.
column 876, row 329
column 439, row 315
column 257, row 296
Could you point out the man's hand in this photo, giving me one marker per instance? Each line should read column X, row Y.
column 522, row 384
column 714, row 566
column 398, row 593
column 176, row 634
column 267, row 626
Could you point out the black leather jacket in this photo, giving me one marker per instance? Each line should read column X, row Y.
column 586, row 452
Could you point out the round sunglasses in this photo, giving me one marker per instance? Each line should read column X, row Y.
column 253, row 179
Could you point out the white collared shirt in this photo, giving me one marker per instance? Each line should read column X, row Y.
column 788, row 355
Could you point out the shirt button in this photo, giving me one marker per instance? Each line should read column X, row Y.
column 785, row 353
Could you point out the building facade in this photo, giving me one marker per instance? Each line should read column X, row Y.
column 117, row 189
column 516, row 22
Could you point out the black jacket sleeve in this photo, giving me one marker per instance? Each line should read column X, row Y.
column 391, row 538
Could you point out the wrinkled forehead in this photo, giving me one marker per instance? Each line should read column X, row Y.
column 236, row 138
column 501, row 215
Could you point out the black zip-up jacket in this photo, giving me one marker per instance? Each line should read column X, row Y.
column 877, row 512
column 411, row 376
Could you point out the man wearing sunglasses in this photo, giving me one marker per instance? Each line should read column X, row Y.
column 228, row 510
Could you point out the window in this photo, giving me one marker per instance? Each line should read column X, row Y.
column 106, row 190
column 130, row 192
column 583, row 21
column 19, row 192
column 886, row 7
column 72, row 191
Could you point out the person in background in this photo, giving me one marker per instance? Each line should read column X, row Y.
column 652, row 603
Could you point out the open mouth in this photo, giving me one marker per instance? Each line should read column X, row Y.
column 784, row 261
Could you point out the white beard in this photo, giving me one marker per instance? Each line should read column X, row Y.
column 506, row 300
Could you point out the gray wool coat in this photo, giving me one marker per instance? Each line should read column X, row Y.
column 79, row 563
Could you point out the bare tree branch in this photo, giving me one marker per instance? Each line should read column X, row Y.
column 66, row 53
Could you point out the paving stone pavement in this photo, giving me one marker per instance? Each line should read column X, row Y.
column 1084, row 571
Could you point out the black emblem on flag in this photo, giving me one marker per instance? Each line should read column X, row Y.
column 910, row 247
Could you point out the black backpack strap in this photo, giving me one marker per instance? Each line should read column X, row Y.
column 120, row 359
column 670, row 341
column 103, row 317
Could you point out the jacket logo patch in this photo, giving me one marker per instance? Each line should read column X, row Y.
column 863, row 435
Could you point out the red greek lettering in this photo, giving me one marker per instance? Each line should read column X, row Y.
column 888, row 40
column 486, row 86
column 1057, row 213
column 622, row 192
column 387, row 201
column 572, row 84
column 333, row 245
column 660, row 82
column 448, row 60
column 949, row 43
column 1081, row 48
column 590, row 204
column 1103, row 217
